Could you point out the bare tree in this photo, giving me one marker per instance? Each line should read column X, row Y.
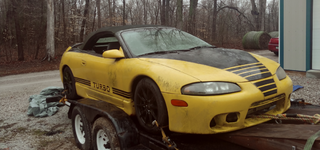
column 262, row 8
column 85, row 16
column 192, row 16
column 98, row 2
column 50, row 30
column 179, row 13
column 124, row 13
column 18, row 30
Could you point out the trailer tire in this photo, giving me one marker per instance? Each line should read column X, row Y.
column 149, row 106
column 81, row 129
column 104, row 135
column 69, row 84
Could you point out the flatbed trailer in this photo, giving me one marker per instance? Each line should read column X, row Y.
column 289, row 134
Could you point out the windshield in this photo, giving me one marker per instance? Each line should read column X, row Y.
column 150, row 40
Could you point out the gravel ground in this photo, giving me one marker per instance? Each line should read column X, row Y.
column 21, row 132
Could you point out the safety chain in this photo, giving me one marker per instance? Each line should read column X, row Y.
column 315, row 119
column 165, row 138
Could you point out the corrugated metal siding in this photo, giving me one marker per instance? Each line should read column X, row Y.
column 294, row 57
column 316, row 36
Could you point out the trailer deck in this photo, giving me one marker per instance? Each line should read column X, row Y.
column 290, row 134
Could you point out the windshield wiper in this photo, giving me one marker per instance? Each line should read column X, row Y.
column 193, row 48
column 201, row 47
column 157, row 52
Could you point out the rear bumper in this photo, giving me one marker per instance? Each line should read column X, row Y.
column 273, row 47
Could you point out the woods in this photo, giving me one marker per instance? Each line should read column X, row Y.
column 30, row 30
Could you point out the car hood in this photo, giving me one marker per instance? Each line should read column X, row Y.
column 213, row 64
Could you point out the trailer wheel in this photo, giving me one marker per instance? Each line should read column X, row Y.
column 105, row 135
column 81, row 129
column 69, row 84
column 150, row 106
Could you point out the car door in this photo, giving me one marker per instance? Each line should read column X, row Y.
column 101, row 71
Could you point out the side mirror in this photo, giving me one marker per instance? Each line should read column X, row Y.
column 113, row 53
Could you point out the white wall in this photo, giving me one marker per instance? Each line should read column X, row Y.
column 294, row 31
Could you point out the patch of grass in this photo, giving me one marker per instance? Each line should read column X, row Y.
column 44, row 143
column 38, row 132
column 21, row 129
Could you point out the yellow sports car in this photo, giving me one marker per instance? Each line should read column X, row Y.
column 165, row 74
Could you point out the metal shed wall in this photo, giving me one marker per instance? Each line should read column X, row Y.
column 294, row 35
column 316, row 35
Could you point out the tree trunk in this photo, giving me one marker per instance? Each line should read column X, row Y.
column 50, row 30
column 85, row 16
column 192, row 16
column 144, row 12
column 110, row 12
column 94, row 18
column 163, row 14
column 179, row 14
column 18, row 31
column 255, row 14
column 262, row 7
column 64, row 24
column 124, row 13
column 98, row 13
column 42, row 30
column 214, row 20
column 167, row 12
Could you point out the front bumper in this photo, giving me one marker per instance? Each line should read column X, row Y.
column 208, row 114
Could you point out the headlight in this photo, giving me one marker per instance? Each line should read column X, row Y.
column 210, row 88
column 281, row 74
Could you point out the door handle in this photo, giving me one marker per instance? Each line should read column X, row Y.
column 83, row 63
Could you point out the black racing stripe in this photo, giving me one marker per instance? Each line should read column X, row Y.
column 242, row 67
column 259, row 76
column 121, row 93
column 253, row 72
column 270, row 92
column 82, row 81
column 264, row 82
column 249, row 69
column 265, row 88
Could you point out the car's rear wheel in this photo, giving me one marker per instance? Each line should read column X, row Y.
column 69, row 84
column 149, row 105
column 276, row 53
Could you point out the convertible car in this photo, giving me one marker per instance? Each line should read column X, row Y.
column 165, row 74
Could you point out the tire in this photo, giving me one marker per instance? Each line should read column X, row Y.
column 69, row 84
column 150, row 106
column 104, row 135
column 81, row 129
column 276, row 53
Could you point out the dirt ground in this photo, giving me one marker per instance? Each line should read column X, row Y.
column 19, row 131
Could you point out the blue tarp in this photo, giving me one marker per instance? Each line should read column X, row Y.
column 296, row 87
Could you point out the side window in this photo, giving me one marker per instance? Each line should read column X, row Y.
column 106, row 43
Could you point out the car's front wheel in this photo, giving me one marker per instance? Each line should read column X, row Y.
column 149, row 105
